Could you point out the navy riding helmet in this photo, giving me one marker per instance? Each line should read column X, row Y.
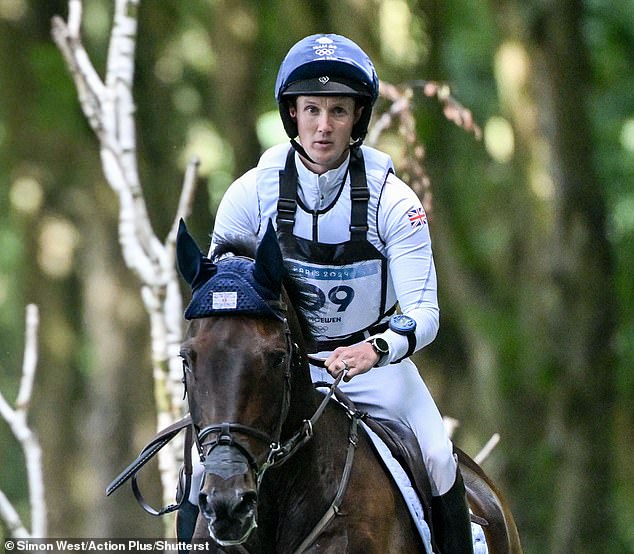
column 327, row 65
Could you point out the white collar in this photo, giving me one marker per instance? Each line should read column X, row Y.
column 326, row 182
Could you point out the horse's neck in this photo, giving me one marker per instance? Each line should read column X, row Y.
column 307, row 482
column 303, row 400
column 305, row 486
column 329, row 430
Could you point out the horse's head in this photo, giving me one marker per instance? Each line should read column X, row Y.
column 238, row 354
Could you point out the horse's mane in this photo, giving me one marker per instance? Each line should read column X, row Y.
column 238, row 247
column 299, row 294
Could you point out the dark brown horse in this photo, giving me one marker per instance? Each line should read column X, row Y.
column 286, row 471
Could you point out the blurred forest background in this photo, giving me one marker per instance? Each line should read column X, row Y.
column 533, row 230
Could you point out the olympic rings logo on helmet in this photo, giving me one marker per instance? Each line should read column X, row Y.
column 325, row 46
column 324, row 51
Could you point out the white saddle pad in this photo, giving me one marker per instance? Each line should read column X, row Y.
column 413, row 502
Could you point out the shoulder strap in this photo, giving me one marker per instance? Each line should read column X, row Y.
column 287, row 198
column 359, row 196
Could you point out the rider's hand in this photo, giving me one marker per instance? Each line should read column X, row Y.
column 358, row 359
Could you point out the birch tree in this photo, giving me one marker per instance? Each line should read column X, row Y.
column 109, row 107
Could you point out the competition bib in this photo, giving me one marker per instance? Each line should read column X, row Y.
column 348, row 297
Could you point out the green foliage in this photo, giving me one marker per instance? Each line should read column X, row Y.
column 56, row 96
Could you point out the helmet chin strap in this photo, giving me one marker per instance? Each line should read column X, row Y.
column 300, row 149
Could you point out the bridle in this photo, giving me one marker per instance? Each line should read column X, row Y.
column 222, row 435
column 222, row 453
column 278, row 452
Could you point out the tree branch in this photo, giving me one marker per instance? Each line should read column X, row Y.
column 486, row 450
column 400, row 114
column 18, row 422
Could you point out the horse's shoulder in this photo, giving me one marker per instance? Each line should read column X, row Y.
column 400, row 441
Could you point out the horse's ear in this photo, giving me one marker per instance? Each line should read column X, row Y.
column 193, row 265
column 269, row 267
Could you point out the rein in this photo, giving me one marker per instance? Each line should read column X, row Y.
column 281, row 453
column 353, row 441
column 148, row 452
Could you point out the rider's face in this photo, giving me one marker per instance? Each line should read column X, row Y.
column 324, row 125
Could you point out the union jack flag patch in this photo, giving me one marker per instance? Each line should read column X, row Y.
column 417, row 217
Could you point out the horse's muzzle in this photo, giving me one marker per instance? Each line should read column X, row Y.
column 228, row 497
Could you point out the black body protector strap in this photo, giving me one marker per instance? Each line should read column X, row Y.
column 359, row 195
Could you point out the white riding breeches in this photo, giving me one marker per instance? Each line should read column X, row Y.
column 397, row 392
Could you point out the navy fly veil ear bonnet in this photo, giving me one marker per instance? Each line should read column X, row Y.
column 235, row 284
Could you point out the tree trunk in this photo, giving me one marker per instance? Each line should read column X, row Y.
column 582, row 274
column 119, row 407
column 575, row 287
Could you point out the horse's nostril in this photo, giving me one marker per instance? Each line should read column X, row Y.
column 203, row 502
column 247, row 502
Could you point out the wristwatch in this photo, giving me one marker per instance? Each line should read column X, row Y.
column 381, row 347
column 406, row 326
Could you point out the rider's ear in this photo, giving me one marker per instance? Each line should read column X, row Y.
column 193, row 265
column 292, row 108
column 269, row 263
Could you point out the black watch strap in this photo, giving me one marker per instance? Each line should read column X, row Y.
column 381, row 347
column 411, row 346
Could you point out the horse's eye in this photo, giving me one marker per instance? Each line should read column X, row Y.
column 186, row 364
column 278, row 360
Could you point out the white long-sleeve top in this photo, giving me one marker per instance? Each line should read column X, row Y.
column 398, row 228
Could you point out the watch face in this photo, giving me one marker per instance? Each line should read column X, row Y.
column 402, row 324
column 380, row 345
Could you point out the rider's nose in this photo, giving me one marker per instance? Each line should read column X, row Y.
column 324, row 123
